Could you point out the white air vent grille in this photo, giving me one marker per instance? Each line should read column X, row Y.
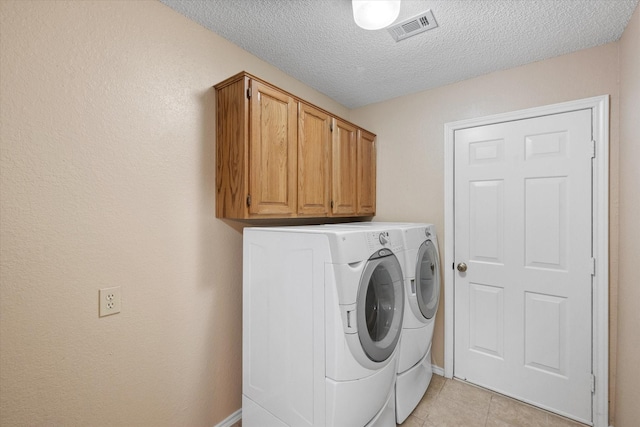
column 412, row 26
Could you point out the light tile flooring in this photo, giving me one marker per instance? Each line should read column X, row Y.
column 453, row 403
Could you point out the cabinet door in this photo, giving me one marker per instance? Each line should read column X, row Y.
column 344, row 169
column 314, row 151
column 366, row 173
column 272, row 152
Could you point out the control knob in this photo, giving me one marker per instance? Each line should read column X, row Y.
column 384, row 238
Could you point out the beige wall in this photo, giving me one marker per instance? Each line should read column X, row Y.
column 107, row 179
column 628, row 367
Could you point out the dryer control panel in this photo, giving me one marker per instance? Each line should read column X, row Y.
column 383, row 239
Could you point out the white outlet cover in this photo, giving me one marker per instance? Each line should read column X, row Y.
column 110, row 301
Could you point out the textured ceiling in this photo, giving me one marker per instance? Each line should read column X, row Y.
column 318, row 43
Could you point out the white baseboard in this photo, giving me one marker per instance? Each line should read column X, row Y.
column 231, row 419
column 438, row 370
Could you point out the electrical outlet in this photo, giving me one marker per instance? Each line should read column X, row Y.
column 110, row 301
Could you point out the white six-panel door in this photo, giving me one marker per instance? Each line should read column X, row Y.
column 523, row 221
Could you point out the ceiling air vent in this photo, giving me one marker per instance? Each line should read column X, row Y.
column 412, row 26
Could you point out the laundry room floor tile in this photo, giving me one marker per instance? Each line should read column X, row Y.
column 413, row 421
column 473, row 397
column 512, row 412
column 453, row 403
column 453, row 413
column 422, row 410
column 555, row 421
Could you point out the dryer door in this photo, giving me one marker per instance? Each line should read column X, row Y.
column 380, row 305
column 428, row 279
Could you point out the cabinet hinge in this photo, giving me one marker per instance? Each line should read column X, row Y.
column 593, row 149
column 593, row 383
column 248, row 200
column 249, row 93
column 593, row 266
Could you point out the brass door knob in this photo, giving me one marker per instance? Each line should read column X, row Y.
column 462, row 267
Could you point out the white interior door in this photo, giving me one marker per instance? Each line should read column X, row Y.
column 523, row 227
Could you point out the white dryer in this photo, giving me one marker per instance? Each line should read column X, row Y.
column 422, row 279
column 322, row 317
column 422, row 290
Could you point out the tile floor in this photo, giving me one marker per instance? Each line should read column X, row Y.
column 453, row 403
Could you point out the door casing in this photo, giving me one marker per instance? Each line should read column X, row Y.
column 600, row 234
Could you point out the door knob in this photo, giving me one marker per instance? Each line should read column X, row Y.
column 462, row 267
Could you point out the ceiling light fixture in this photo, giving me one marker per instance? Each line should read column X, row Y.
column 375, row 14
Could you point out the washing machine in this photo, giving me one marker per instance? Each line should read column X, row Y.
column 322, row 318
column 421, row 272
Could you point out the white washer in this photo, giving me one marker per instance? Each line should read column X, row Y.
column 322, row 317
column 422, row 290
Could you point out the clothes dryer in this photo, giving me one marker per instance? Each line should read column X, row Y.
column 421, row 272
column 322, row 318
column 422, row 279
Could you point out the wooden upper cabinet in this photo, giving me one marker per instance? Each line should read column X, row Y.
column 344, row 157
column 278, row 156
column 366, row 173
column 256, row 150
column 272, row 152
column 314, row 167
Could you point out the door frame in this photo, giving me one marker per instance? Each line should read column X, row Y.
column 600, row 236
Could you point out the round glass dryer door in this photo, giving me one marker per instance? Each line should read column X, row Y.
column 380, row 305
column 428, row 279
